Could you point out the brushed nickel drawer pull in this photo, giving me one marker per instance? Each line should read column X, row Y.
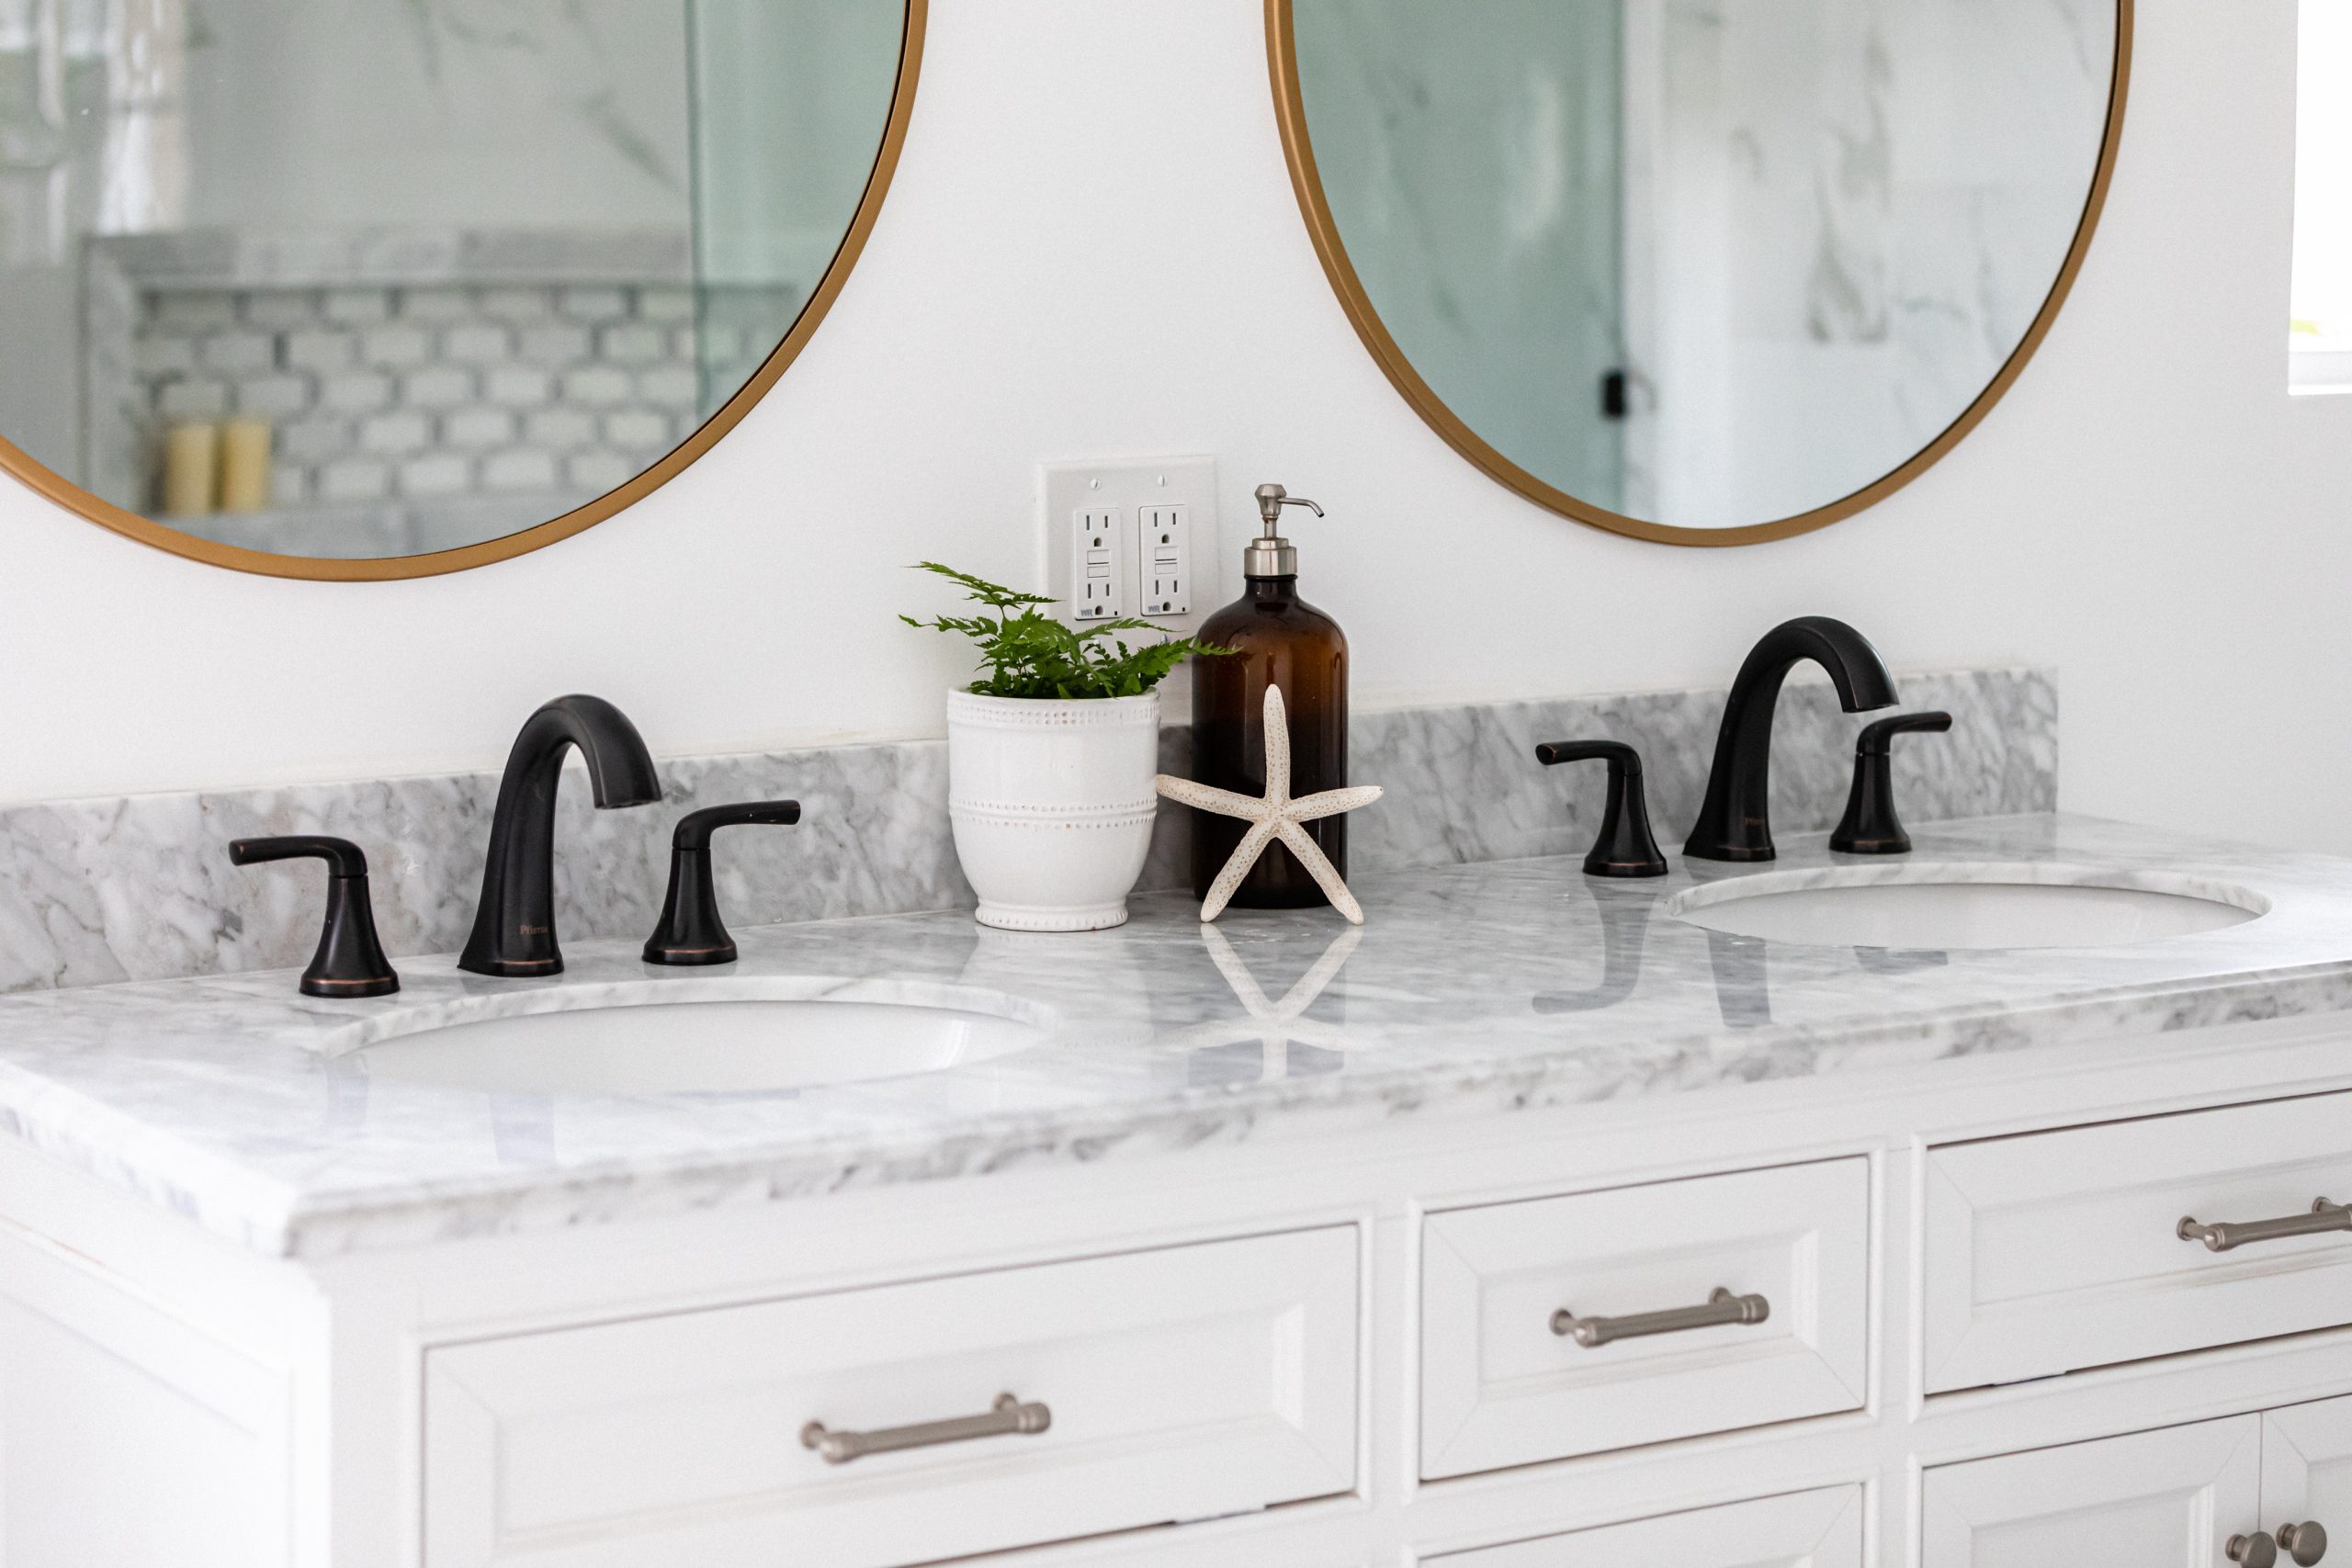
column 2324, row 1216
column 2306, row 1542
column 1722, row 1308
column 1009, row 1417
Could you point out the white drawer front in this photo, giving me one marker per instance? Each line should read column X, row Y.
column 1182, row 1382
column 1803, row 1530
column 2061, row 1250
column 1500, row 1387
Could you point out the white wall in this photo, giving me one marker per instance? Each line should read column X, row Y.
column 1093, row 248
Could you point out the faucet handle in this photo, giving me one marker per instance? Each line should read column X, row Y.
column 690, row 931
column 350, row 961
column 1869, row 826
column 1625, row 846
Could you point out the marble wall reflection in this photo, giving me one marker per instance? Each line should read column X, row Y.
column 141, row 887
column 1853, row 212
column 1808, row 233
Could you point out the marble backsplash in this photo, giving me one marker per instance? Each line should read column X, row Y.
column 141, row 887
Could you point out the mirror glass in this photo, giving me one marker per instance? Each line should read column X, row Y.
column 1699, row 265
column 355, row 279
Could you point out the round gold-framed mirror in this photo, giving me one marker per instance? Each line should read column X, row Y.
column 1698, row 272
column 407, row 286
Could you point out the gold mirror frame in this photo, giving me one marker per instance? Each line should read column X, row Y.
column 74, row 498
column 1290, row 114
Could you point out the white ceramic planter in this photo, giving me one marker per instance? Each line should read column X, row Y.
column 1052, row 805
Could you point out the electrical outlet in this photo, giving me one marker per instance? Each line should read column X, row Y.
column 1164, row 561
column 1098, row 568
column 1157, row 520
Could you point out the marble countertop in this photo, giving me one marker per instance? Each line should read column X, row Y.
column 1473, row 989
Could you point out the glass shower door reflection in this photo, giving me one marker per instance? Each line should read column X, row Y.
column 790, row 101
column 1472, row 160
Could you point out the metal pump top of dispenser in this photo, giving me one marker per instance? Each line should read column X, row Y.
column 1271, row 555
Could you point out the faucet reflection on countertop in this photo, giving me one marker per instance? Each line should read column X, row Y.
column 1624, row 933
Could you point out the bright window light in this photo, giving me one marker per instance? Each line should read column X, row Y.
column 2319, row 333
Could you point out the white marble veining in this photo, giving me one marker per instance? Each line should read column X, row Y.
column 1473, row 990
column 141, row 887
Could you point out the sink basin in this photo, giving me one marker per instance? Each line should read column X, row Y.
column 1965, row 906
column 663, row 1044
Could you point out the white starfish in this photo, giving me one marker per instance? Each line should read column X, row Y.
column 1273, row 816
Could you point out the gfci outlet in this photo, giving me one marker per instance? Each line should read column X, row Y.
column 1131, row 536
column 1099, row 564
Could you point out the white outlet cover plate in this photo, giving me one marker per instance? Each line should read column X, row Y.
column 1131, row 484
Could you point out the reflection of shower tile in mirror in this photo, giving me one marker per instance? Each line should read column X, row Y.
column 426, row 390
column 1467, row 154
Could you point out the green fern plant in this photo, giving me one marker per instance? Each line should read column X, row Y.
column 1025, row 653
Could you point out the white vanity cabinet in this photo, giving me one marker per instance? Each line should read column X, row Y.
column 2176, row 1496
column 1939, row 1316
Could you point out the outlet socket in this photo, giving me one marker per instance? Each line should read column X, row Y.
column 1161, row 518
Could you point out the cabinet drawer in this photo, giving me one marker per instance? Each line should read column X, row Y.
column 2054, row 1251
column 1175, row 1383
column 1505, row 1378
column 1803, row 1530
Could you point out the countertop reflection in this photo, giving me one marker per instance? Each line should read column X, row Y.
column 1478, row 988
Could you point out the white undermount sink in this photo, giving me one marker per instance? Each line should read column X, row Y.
column 651, row 1041
column 1966, row 905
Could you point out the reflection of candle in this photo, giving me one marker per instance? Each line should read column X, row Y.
column 190, row 465
column 244, row 465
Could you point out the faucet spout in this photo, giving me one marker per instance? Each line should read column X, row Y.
column 1734, row 823
column 514, row 931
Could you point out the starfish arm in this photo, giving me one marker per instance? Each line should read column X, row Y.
column 1224, row 802
column 1327, row 968
column 1277, row 749
column 1236, row 975
column 1229, row 881
column 1332, row 802
column 1326, row 875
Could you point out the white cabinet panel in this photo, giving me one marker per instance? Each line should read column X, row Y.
column 2163, row 1499
column 2061, row 1250
column 1803, row 1530
column 1182, row 1382
column 1499, row 1386
column 128, row 1439
column 2307, row 1469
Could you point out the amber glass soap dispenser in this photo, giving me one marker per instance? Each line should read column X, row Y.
column 1278, row 640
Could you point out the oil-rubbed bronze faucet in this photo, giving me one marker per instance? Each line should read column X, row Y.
column 690, row 931
column 350, row 961
column 1735, row 822
column 515, row 924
